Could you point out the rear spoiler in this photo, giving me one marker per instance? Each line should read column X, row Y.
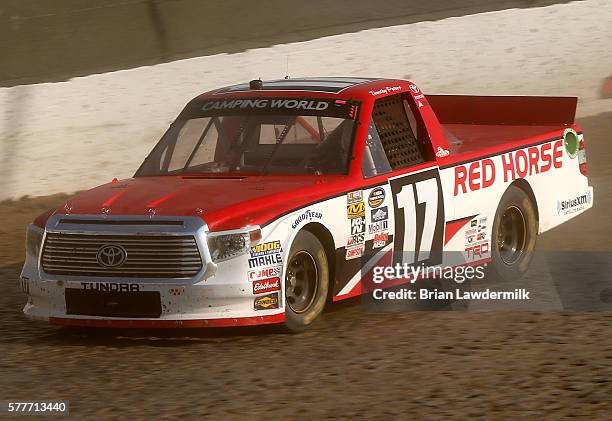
column 504, row 110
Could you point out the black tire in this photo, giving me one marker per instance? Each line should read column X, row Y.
column 513, row 237
column 306, row 282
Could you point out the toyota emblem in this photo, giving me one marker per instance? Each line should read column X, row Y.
column 111, row 256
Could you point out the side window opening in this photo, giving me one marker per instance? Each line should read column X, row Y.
column 375, row 161
column 418, row 128
column 397, row 136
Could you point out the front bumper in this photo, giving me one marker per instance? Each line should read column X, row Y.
column 220, row 295
column 186, row 306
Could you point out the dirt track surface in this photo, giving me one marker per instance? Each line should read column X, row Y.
column 352, row 364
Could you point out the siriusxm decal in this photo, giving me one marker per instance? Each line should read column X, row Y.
column 576, row 204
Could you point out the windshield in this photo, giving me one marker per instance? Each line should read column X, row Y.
column 259, row 136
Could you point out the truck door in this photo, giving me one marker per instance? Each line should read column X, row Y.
column 398, row 146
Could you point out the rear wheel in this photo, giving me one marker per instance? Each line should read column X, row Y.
column 306, row 282
column 513, row 236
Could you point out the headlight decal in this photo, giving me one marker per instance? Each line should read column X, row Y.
column 34, row 237
column 224, row 246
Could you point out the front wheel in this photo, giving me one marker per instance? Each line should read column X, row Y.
column 513, row 236
column 306, row 282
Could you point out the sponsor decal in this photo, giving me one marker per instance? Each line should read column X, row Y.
column 269, row 260
column 571, row 142
column 376, row 197
column 380, row 214
column 266, row 248
column 378, row 226
column 477, row 251
column 110, row 286
column 479, row 223
column 355, row 239
column 476, row 243
column 381, row 239
column 476, row 235
column 415, row 89
column 441, row 153
column 355, row 252
column 358, row 225
column 354, row 197
column 264, row 273
column 355, row 210
column 266, row 285
column 266, row 254
column 420, row 99
column 307, row 215
column 576, row 204
column 265, row 103
column 521, row 163
column 386, row 90
column 266, row 302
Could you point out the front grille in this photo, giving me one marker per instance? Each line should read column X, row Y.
column 148, row 256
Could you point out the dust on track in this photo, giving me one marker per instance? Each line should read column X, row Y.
column 352, row 364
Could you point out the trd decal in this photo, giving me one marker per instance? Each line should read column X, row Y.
column 419, row 218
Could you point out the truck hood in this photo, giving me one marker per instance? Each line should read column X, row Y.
column 223, row 202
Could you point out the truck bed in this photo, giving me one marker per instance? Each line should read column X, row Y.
column 475, row 123
column 467, row 138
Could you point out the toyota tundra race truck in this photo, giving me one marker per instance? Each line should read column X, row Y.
column 265, row 200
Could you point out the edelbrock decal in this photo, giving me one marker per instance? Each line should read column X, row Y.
column 266, row 285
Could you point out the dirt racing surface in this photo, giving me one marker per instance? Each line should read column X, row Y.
column 551, row 363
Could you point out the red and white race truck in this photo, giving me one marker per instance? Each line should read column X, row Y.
column 266, row 199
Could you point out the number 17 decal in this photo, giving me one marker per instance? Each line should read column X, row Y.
column 419, row 218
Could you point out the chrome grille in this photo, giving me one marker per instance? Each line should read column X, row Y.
column 148, row 256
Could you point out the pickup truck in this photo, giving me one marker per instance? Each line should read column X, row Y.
column 266, row 200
